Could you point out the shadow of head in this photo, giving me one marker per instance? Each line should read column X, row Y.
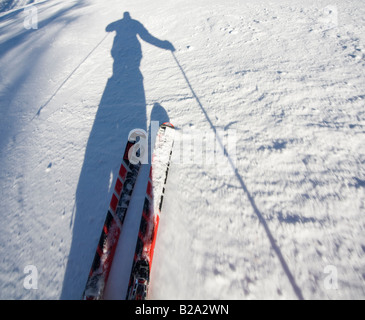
column 159, row 114
column 127, row 15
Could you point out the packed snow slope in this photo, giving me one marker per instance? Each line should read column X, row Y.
column 280, row 216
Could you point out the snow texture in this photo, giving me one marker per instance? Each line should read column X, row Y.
column 280, row 215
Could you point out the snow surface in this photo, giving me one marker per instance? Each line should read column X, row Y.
column 284, row 207
column 10, row 5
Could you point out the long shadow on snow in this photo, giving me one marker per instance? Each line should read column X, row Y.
column 122, row 108
column 29, row 62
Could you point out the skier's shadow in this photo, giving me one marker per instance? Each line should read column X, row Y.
column 122, row 108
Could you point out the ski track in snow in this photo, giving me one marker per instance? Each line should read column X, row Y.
column 263, row 223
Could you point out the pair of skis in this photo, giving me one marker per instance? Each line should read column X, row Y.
column 128, row 173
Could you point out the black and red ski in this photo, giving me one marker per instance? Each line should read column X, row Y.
column 141, row 268
column 112, row 228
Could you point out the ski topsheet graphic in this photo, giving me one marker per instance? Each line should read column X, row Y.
column 161, row 158
column 112, row 228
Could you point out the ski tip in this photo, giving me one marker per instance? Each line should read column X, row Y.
column 168, row 124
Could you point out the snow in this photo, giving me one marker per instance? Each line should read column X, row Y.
column 12, row 5
column 273, row 219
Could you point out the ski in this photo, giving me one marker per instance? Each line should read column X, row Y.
column 141, row 268
column 113, row 224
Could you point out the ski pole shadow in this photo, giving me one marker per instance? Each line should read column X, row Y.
column 260, row 216
column 121, row 109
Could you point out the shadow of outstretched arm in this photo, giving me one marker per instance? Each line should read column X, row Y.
column 146, row 36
